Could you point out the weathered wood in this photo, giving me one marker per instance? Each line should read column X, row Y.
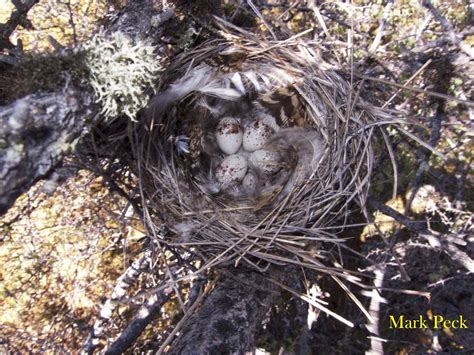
column 35, row 133
column 17, row 18
column 229, row 319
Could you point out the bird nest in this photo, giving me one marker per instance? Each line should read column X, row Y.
column 256, row 152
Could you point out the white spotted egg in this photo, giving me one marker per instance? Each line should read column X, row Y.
column 249, row 183
column 256, row 135
column 229, row 135
column 265, row 161
column 232, row 169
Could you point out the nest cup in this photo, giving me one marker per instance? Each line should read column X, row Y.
column 324, row 136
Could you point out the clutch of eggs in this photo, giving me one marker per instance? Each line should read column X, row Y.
column 243, row 148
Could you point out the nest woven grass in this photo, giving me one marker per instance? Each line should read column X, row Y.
column 324, row 136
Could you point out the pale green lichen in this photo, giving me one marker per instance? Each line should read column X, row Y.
column 120, row 71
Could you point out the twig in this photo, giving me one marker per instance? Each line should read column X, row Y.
column 411, row 88
column 414, row 226
column 435, row 239
column 55, row 44
column 313, row 303
column 448, row 28
column 259, row 14
column 17, row 18
column 124, row 282
column 236, row 11
column 186, row 317
column 314, row 7
column 374, row 309
column 423, row 67
column 195, row 290
column 422, row 143
column 144, row 316
column 424, row 165
column 71, row 22
column 288, row 9
column 380, row 31
column 331, row 16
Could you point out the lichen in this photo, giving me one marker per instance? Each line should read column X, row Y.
column 120, row 72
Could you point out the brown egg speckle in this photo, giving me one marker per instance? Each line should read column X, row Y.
column 256, row 135
column 232, row 169
column 229, row 135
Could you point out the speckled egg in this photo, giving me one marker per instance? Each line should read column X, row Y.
column 232, row 169
column 265, row 161
column 249, row 183
column 229, row 135
column 256, row 135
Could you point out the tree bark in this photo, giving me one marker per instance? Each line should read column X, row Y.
column 37, row 130
column 229, row 317
column 35, row 134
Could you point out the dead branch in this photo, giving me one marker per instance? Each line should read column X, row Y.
column 436, row 122
column 229, row 318
column 448, row 28
column 443, row 242
column 17, row 18
column 144, row 316
column 383, row 22
column 414, row 226
column 35, row 133
column 124, row 282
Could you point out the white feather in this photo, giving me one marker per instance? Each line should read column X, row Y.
column 220, row 92
column 226, row 83
column 253, row 79
column 237, row 81
column 192, row 81
column 281, row 77
column 195, row 79
column 214, row 110
column 269, row 120
column 266, row 81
